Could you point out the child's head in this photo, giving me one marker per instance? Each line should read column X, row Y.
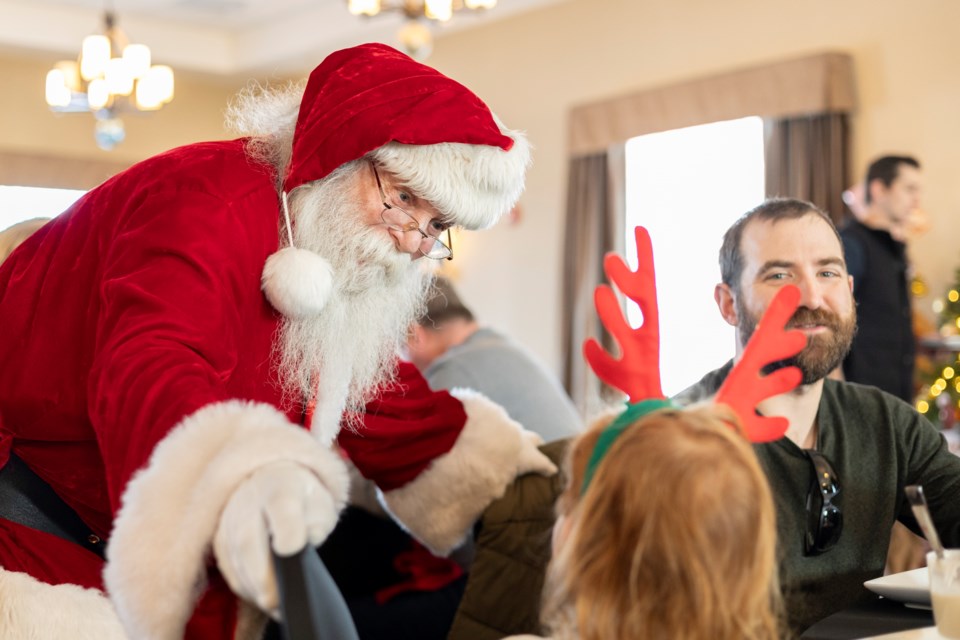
column 673, row 537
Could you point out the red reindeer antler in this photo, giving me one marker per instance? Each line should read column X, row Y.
column 637, row 371
column 744, row 387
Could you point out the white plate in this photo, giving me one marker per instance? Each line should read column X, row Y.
column 912, row 587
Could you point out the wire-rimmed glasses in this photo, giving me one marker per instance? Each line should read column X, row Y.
column 431, row 246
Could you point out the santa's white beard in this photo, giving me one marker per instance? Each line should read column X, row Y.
column 347, row 352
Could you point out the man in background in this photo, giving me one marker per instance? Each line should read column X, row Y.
column 883, row 350
column 453, row 351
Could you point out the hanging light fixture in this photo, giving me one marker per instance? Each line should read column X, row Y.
column 110, row 77
column 415, row 35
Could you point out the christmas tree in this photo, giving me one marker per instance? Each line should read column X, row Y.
column 938, row 370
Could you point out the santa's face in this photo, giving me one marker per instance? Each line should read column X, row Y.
column 351, row 347
column 411, row 223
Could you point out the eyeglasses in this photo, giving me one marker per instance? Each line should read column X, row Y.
column 399, row 220
column 824, row 519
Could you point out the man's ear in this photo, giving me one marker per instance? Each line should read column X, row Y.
column 876, row 189
column 726, row 302
column 417, row 334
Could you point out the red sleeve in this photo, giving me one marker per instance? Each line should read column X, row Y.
column 175, row 286
column 403, row 430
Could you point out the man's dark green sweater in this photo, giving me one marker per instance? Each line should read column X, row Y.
column 877, row 444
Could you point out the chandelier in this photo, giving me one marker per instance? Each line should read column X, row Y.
column 415, row 36
column 110, row 77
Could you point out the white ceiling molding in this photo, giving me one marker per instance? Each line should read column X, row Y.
column 227, row 38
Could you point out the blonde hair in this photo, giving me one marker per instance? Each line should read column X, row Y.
column 13, row 236
column 675, row 537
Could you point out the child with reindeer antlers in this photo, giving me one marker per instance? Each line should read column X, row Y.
column 667, row 527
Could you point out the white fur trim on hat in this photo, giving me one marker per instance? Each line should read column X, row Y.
column 441, row 504
column 157, row 554
column 472, row 185
column 297, row 282
column 34, row 610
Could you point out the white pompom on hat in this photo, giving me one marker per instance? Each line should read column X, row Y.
column 297, row 282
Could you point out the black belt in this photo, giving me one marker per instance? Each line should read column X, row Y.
column 27, row 500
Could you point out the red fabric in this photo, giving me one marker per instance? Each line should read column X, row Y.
column 124, row 315
column 133, row 310
column 424, row 571
column 361, row 98
column 404, row 430
column 48, row 558
column 53, row 560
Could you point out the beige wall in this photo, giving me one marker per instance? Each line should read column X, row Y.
column 27, row 126
column 533, row 68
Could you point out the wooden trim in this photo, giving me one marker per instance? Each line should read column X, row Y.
column 33, row 170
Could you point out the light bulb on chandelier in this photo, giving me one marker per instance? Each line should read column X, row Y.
column 415, row 35
column 110, row 77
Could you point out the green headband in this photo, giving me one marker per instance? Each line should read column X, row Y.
column 631, row 414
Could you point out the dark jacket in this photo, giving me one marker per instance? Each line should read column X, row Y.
column 503, row 591
column 883, row 349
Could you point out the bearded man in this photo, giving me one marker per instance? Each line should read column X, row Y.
column 838, row 474
column 168, row 338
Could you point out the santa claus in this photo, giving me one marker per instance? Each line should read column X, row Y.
column 184, row 348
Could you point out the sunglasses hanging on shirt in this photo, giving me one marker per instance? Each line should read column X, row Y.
column 824, row 518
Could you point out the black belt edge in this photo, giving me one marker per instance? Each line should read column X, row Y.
column 29, row 501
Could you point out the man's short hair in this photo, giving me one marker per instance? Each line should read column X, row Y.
column 443, row 304
column 886, row 170
column 771, row 210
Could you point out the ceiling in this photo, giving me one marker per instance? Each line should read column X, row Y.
column 227, row 38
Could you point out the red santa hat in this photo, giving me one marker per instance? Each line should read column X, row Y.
column 451, row 150
column 435, row 135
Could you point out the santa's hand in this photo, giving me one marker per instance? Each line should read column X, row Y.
column 282, row 506
column 531, row 459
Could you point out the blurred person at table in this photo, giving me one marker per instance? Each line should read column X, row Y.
column 398, row 580
column 874, row 242
column 453, row 350
column 863, row 443
column 182, row 346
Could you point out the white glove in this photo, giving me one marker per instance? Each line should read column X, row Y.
column 531, row 459
column 282, row 505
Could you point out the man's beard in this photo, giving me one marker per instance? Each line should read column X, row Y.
column 345, row 354
column 823, row 353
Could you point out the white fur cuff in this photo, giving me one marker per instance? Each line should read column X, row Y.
column 162, row 535
column 34, row 610
column 441, row 504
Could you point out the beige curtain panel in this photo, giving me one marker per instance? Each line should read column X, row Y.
column 807, row 158
column 595, row 220
column 821, row 83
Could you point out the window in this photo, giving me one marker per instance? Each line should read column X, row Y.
column 687, row 186
column 23, row 203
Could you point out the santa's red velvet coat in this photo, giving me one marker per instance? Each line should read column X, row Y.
column 136, row 380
